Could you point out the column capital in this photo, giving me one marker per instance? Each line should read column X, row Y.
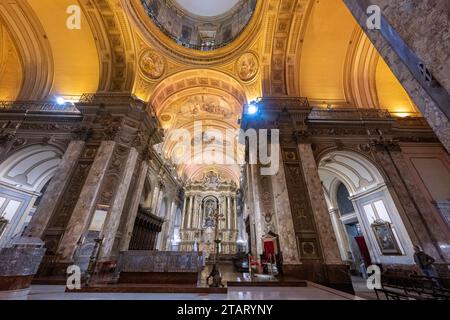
column 302, row 137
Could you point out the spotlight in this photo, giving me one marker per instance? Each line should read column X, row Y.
column 252, row 109
column 60, row 101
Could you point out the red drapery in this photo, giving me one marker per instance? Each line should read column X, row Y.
column 269, row 249
column 364, row 250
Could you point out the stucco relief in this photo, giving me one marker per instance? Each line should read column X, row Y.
column 247, row 66
column 152, row 64
column 198, row 107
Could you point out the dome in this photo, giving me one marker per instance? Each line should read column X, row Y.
column 198, row 24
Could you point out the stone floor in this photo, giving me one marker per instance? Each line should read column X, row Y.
column 312, row 292
column 361, row 290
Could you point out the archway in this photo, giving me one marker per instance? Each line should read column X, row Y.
column 367, row 215
column 24, row 176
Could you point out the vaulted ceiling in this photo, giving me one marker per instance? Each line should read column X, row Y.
column 310, row 48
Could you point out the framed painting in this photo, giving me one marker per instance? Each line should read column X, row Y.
column 386, row 238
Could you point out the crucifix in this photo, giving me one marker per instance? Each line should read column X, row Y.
column 215, row 272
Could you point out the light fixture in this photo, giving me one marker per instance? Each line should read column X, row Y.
column 60, row 101
column 252, row 109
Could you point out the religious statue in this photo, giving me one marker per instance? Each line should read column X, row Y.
column 209, row 209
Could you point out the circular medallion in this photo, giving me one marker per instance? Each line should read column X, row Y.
column 247, row 66
column 152, row 64
column 166, row 117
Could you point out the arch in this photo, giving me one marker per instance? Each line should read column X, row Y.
column 199, row 78
column 360, row 71
column 23, row 176
column 11, row 73
column 115, row 44
column 338, row 66
column 196, row 172
column 211, row 97
column 372, row 202
column 34, row 50
column 354, row 170
column 30, row 168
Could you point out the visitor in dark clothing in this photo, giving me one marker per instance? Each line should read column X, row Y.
column 425, row 262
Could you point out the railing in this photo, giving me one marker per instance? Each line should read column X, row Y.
column 153, row 13
column 350, row 114
column 36, row 106
column 112, row 99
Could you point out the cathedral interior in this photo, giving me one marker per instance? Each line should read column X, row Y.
column 201, row 146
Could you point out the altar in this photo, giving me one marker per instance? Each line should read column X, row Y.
column 207, row 194
column 157, row 267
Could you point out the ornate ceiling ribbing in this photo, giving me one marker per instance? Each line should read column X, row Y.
column 285, row 21
column 115, row 44
column 36, row 55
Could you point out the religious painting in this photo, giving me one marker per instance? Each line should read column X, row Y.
column 3, row 224
column 386, row 238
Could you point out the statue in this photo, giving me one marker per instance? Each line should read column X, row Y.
column 209, row 209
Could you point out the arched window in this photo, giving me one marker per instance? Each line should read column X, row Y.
column 344, row 203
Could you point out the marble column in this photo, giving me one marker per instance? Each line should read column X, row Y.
column 257, row 217
column 200, row 214
column 195, row 214
column 117, row 209
column 55, row 190
column 341, row 236
column 155, row 197
column 183, row 214
column 420, row 224
column 134, row 206
column 191, row 208
column 286, row 229
column 234, row 208
column 228, row 212
column 82, row 213
column 159, row 204
column 322, row 219
column 168, row 236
